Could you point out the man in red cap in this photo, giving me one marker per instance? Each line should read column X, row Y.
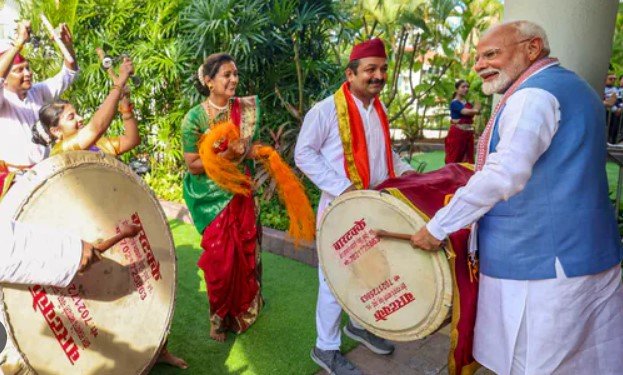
column 344, row 145
column 20, row 100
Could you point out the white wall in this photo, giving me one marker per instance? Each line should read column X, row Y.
column 580, row 32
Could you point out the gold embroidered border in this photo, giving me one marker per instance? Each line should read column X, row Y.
column 248, row 116
column 343, row 121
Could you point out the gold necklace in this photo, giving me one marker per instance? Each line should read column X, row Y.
column 223, row 114
column 211, row 104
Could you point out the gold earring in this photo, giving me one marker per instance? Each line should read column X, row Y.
column 210, row 86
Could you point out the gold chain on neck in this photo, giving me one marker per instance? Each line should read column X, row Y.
column 218, row 118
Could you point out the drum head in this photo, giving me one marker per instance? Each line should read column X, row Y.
column 114, row 319
column 393, row 290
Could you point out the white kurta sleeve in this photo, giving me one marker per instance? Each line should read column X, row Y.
column 400, row 166
column 526, row 128
column 32, row 254
column 53, row 87
column 309, row 160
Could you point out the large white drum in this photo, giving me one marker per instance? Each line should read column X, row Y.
column 115, row 318
column 395, row 291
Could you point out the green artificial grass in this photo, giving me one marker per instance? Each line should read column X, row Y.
column 280, row 340
column 434, row 160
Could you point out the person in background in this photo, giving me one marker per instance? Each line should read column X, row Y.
column 21, row 99
column 459, row 142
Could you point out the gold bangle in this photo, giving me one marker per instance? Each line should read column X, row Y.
column 117, row 87
column 127, row 117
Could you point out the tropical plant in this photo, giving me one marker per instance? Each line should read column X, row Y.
column 160, row 61
column 617, row 42
column 292, row 53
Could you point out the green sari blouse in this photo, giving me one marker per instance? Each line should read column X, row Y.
column 204, row 199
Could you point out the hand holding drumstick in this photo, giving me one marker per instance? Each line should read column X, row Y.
column 421, row 240
column 91, row 253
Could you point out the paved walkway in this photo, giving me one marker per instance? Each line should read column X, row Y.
column 423, row 357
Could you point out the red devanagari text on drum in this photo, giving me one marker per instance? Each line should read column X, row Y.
column 355, row 242
column 84, row 315
column 361, row 246
column 385, row 291
column 392, row 307
column 154, row 265
column 142, row 263
column 61, row 333
column 359, row 226
column 377, row 290
column 135, row 259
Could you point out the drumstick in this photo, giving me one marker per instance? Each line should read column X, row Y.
column 397, row 236
column 57, row 39
column 112, row 241
column 405, row 237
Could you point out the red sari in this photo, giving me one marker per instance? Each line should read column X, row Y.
column 459, row 142
column 231, row 257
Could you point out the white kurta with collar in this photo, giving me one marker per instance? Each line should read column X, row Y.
column 319, row 154
column 18, row 116
column 554, row 326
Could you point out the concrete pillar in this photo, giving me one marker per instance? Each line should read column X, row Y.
column 580, row 32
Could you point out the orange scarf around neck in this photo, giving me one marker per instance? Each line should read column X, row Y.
column 352, row 133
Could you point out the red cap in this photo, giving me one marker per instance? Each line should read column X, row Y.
column 18, row 59
column 369, row 48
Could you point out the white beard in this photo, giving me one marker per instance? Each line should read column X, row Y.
column 505, row 77
column 499, row 84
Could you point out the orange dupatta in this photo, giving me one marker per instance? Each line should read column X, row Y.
column 352, row 133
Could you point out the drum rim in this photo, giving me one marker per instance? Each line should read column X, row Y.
column 443, row 298
column 13, row 203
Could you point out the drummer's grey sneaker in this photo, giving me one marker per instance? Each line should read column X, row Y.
column 334, row 362
column 371, row 341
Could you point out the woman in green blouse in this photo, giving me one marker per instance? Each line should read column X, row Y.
column 228, row 222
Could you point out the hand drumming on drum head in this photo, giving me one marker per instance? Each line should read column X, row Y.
column 425, row 241
column 91, row 253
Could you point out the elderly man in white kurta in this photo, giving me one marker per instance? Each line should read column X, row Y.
column 325, row 141
column 20, row 100
column 550, row 298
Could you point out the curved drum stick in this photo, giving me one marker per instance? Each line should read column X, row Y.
column 406, row 237
column 397, row 236
column 57, row 39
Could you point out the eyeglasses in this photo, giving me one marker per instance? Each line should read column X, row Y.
column 492, row 53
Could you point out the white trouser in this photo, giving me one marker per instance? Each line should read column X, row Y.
column 328, row 314
column 566, row 325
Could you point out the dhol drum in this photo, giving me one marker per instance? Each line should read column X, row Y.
column 113, row 319
column 391, row 289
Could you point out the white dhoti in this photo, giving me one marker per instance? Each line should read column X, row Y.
column 553, row 326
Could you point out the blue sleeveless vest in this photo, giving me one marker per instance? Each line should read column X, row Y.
column 564, row 211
